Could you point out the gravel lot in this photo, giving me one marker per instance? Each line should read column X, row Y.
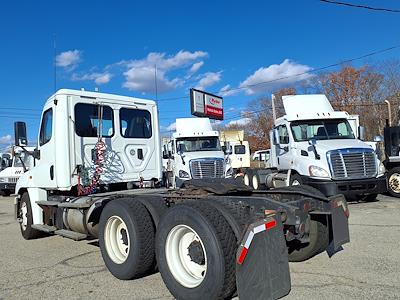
column 55, row 267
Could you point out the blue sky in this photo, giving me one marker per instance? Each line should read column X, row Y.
column 212, row 45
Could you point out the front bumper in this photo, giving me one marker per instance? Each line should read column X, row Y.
column 7, row 186
column 349, row 187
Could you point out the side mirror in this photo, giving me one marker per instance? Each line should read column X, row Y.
column 180, row 149
column 312, row 142
column 378, row 138
column 21, row 138
column 275, row 136
column 361, row 133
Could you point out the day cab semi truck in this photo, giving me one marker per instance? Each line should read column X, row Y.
column 194, row 152
column 211, row 239
column 15, row 164
column 314, row 145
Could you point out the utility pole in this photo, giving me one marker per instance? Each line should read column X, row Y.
column 273, row 107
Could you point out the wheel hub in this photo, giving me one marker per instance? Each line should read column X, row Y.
column 196, row 253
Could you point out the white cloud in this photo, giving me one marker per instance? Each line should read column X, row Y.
column 140, row 74
column 171, row 127
column 195, row 67
column 99, row 78
column 208, row 79
column 227, row 91
column 143, row 80
column 287, row 68
column 240, row 122
column 6, row 139
column 68, row 59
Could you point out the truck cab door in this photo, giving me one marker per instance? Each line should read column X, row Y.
column 283, row 153
column 45, row 169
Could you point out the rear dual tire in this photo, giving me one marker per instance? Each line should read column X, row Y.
column 126, row 239
column 196, row 250
column 319, row 230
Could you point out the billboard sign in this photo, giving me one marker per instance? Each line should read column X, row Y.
column 204, row 104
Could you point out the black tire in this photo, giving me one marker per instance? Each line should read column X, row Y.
column 28, row 232
column 6, row 193
column 220, row 247
column 249, row 175
column 255, row 181
column 294, row 178
column 140, row 230
column 394, row 182
column 371, row 198
column 319, row 234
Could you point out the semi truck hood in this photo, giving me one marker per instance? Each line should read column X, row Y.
column 202, row 154
column 327, row 145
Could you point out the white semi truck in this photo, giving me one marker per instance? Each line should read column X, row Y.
column 314, row 145
column 213, row 240
column 194, row 152
column 15, row 165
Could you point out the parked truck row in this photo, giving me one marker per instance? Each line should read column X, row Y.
column 316, row 146
column 213, row 238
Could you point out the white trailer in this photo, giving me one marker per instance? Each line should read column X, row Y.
column 212, row 241
column 194, row 152
column 315, row 145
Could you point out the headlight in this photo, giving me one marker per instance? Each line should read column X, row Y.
column 229, row 172
column 2, row 179
column 316, row 171
column 183, row 174
column 381, row 170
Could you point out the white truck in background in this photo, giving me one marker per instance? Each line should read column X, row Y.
column 15, row 165
column 193, row 152
column 214, row 241
column 236, row 148
column 314, row 145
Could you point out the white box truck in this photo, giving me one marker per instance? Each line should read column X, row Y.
column 214, row 240
column 314, row 145
column 194, row 152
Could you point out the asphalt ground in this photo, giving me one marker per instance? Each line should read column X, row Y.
column 56, row 267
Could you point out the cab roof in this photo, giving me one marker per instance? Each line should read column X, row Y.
column 99, row 96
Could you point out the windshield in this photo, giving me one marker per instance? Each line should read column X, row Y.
column 321, row 130
column 198, row 144
column 23, row 157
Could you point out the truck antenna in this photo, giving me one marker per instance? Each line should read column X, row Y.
column 55, row 62
column 273, row 107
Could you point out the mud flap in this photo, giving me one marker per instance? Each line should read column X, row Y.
column 340, row 230
column 262, row 267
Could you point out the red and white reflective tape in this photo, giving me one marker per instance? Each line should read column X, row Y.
column 250, row 236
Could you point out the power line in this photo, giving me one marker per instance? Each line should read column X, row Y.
column 361, row 6
column 345, row 61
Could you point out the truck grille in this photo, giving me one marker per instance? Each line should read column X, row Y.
column 352, row 163
column 207, row 168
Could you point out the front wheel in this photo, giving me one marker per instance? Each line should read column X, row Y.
column 295, row 179
column 26, row 219
column 195, row 249
column 394, row 182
